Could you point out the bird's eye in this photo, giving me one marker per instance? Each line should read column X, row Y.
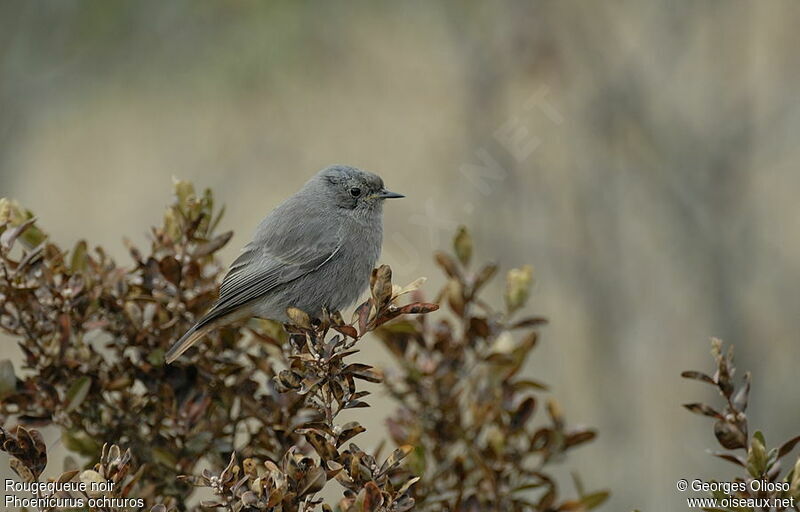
column 355, row 191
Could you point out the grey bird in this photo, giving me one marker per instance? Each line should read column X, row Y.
column 315, row 251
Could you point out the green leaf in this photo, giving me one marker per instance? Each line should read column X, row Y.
column 757, row 455
column 156, row 357
column 10, row 235
column 172, row 224
column 80, row 260
column 794, row 488
column 184, row 192
column 81, row 443
column 527, row 487
column 164, row 457
column 298, row 317
column 518, row 284
column 33, row 237
column 77, row 393
column 594, row 500
column 462, row 243
column 198, row 442
column 8, row 380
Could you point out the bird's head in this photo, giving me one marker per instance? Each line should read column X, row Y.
column 353, row 189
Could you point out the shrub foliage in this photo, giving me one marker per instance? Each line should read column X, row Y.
column 762, row 479
column 253, row 413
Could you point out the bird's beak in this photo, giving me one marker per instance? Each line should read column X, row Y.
column 385, row 194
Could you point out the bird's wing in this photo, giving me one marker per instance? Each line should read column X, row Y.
column 270, row 262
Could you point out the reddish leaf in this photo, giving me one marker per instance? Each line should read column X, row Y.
column 697, row 376
column 731, row 458
column 362, row 314
column 171, row 269
column 788, row 446
column 347, row 330
column 373, row 499
column 418, row 308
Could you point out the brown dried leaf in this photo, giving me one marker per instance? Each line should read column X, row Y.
column 523, row 413
column 372, row 498
column 482, row 277
column 580, row 437
column 418, row 308
column 321, row 445
column 347, row 330
column 395, row 458
column 213, row 245
column 703, row 409
column 731, row 458
column 788, row 446
column 729, row 435
column 449, row 266
column 22, row 470
column 363, row 372
column 362, row 315
column 313, row 482
column 348, row 431
column 171, row 269
column 381, row 285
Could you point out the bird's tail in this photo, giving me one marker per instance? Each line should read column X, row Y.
column 210, row 321
column 186, row 341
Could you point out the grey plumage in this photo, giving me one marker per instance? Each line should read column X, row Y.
column 314, row 251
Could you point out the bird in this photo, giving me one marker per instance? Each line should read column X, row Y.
column 315, row 252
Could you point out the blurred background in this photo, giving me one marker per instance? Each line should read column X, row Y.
column 640, row 155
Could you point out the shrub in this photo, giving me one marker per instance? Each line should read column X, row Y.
column 257, row 404
column 750, row 453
